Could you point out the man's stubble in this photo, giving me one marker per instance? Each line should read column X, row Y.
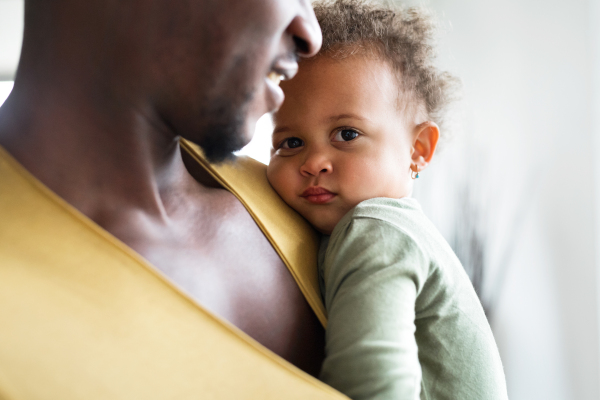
column 224, row 131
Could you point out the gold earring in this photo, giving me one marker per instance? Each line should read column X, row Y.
column 414, row 174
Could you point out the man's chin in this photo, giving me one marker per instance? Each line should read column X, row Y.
column 221, row 143
column 225, row 129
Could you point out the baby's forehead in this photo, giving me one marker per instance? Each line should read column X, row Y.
column 358, row 79
column 356, row 70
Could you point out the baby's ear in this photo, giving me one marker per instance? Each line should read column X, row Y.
column 425, row 139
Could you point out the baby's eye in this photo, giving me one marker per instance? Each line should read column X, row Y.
column 345, row 135
column 291, row 143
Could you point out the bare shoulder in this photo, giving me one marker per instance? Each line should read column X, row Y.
column 243, row 279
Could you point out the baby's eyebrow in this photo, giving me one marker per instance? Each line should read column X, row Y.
column 281, row 129
column 347, row 116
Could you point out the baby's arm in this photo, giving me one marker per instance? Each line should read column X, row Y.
column 372, row 273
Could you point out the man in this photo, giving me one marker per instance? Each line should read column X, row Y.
column 103, row 92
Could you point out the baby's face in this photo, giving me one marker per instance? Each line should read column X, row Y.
column 339, row 139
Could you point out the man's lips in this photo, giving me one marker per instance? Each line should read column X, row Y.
column 274, row 95
column 285, row 67
column 317, row 195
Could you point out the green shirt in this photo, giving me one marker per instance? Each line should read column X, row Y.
column 404, row 319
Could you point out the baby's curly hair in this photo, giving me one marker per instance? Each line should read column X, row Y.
column 401, row 36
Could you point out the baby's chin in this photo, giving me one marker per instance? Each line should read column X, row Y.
column 324, row 227
column 324, row 231
column 325, row 220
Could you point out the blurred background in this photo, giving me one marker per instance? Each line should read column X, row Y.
column 516, row 192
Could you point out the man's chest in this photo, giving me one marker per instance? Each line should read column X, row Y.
column 220, row 258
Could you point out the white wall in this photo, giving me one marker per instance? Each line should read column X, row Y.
column 5, row 89
column 527, row 158
column 11, row 28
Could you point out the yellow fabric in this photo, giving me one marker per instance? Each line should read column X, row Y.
column 296, row 242
column 82, row 316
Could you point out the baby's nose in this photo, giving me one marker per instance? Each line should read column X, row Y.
column 316, row 164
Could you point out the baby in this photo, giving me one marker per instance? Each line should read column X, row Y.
column 354, row 131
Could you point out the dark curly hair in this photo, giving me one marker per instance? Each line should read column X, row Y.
column 401, row 36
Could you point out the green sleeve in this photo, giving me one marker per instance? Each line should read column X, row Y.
column 372, row 273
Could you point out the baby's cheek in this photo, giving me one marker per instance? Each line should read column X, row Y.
column 364, row 182
column 279, row 179
column 273, row 177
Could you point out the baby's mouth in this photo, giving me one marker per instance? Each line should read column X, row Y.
column 317, row 195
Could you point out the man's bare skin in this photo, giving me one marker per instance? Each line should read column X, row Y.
column 104, row 90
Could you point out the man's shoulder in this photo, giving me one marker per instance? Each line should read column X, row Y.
column 291, row 236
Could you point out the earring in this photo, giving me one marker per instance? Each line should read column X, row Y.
column 414, row 174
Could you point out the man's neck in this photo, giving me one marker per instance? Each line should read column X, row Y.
column 92, row 155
